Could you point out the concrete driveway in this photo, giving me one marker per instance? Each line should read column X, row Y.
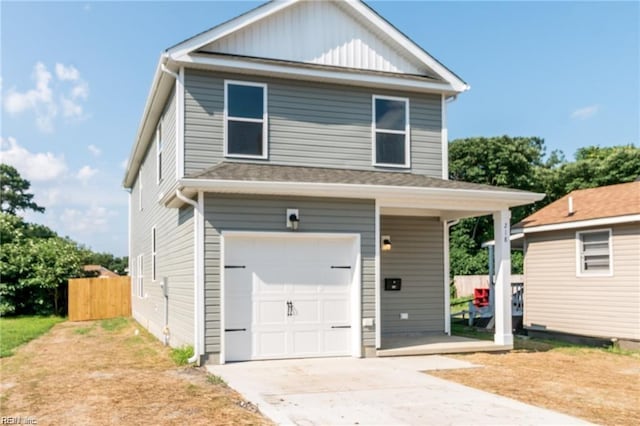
column 374, row 391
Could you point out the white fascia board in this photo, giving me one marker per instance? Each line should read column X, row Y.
column 304, row 73
column 161, row 83
column 391, row 196
column 372, row 17
column 580, row 224
column 222, row 30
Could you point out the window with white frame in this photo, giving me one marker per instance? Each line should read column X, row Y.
column 140, row 276
column 594, row 252
column 390, row 131
column 159, row 147
column 245, row 119
column 153, row 254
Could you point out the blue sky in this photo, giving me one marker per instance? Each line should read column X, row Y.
column 75, row 76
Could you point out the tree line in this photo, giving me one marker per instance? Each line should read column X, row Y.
column 522, row 163
column 35, row 262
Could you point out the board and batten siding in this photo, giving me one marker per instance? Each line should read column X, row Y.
column 267, row 214
column 599, row 306
column 174, row 243
column 310, row 124
column 417, row 258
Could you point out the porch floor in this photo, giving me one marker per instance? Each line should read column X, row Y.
column 435, row 344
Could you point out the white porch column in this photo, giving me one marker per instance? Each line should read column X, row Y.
column 502, row 298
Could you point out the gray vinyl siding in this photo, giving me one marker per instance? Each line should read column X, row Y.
column 558, row 300
column 174, row 244
column 416, row 257
column 227, row 213
column 310, row 124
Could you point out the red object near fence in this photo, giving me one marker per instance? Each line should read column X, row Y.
column 481, row 297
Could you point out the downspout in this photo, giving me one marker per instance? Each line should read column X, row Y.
column 447, row 280
column 196, row 276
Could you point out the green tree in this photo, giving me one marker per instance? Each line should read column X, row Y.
column 35, row 265
column 514, row 162
column 596, row 166
column 14, row 193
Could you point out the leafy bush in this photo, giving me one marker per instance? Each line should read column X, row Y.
column 182, row 354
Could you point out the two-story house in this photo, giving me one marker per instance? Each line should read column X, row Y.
column 289, row 192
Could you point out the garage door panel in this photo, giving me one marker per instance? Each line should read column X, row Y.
column 335, row 340
column 296, row 270
column 270, row 344
column 336, row 311
column 270, row 312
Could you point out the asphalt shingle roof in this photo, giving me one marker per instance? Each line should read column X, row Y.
column 595, row 203
column 300, row 174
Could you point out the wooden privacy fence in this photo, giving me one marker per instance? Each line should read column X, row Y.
column 99, row 298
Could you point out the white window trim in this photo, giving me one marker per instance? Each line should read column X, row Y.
column 264, row 120
column 406, row 132
column 140, row 277
column 154, row 252
column 140, row 188
column 579, row 272
column 159, row 150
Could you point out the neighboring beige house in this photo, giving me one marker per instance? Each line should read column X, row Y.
column 582, row 264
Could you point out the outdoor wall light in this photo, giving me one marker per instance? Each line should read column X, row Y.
column 386, row 243
column 293, row 219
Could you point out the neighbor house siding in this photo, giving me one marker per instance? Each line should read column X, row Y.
column 174, row 243
column 310, row 124
column 416, row 257
column 227, row 213
column 600, row 306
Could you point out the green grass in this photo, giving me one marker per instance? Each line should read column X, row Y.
column 114, row 324
column 460, row 304
column 215, row 380
column 182, row 354
column 83, row 330
column 20, row 330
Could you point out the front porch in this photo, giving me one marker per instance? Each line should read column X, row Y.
column 430, row 344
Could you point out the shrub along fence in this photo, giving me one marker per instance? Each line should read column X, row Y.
column 99, row 298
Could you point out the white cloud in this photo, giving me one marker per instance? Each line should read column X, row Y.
column 94, row 150
column 86, row 173
column 67, row 72
column 91, row 220
column 39, row 167
column 70, row 109
column 41, row 99
column 586, row 112
column 80, row 90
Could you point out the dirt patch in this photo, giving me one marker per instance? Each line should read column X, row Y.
column 100, row 377
column 593, row 384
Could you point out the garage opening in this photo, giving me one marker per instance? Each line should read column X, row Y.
column 290, row 295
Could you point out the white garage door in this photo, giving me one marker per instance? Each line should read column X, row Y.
column 288, row 297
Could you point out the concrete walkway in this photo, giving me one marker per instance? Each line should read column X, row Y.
column 374, row 391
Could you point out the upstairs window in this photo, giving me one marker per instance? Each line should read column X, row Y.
column 390, row 131
column 159, row 148
column 245, row 119
column 594, row 253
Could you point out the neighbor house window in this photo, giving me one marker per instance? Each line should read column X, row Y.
column 594, row 252
column 153, row 253
column 245, row 119
column 390, row 131
column 140, row 276
column 159, row 152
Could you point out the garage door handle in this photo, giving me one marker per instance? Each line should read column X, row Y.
column 235, row 329
column 341, row 267
column 340, row 326
column 234, row 266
